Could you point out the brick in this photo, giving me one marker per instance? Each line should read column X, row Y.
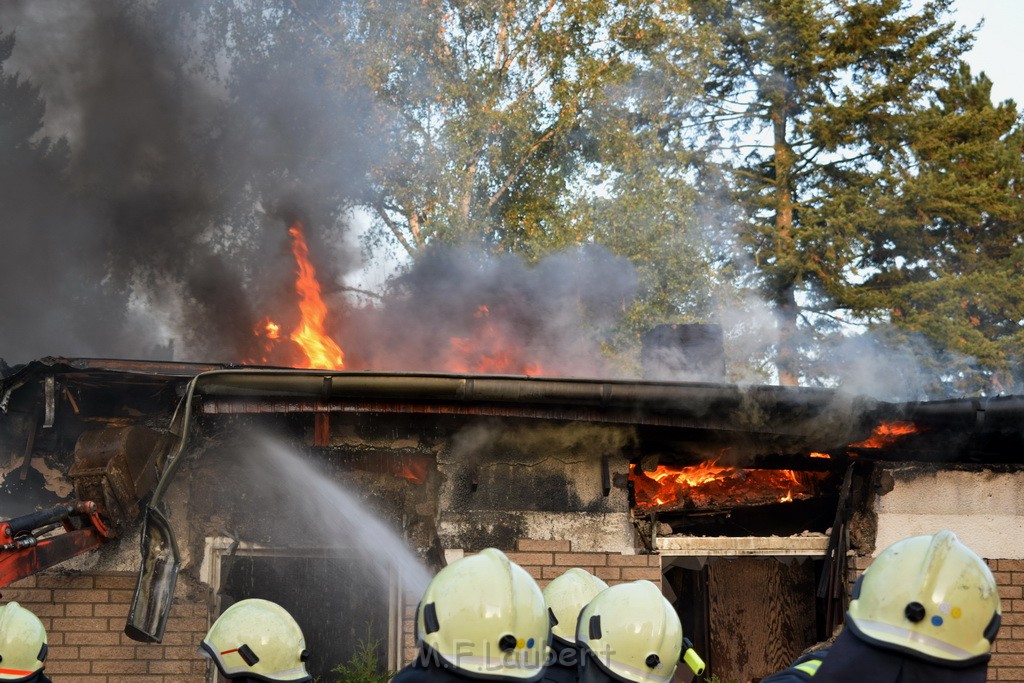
column 581, row 559
column 97, row 652
column 1010, row 592
column 28, row 595
column 551, row 572
column 637, row 573
column 533, row 545
column 116, row 581
column 1011, row 565
column 82, row 624
column 181, row 652
column 149, row 652
column 627, row 560
column 93, row 595
column 119, row 667
column 27, row 582
column 531, row 558
column 124, row 597
column 533, row 571
column 43, row 609
column 70, row 666
column 62, row 652
column 110, row 610
column 172, row 667
column 65, row 582
column 144, row 679
column 186, row 624
column 608, row 573
column 78, row 610
column 181, row 638
column 92, row 638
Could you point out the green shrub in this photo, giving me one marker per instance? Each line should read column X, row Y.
column 364, row 666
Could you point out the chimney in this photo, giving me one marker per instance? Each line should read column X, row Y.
column 684, row 353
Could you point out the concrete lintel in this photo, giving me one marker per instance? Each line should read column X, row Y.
column 742, row 546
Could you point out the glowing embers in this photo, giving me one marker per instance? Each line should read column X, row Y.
column 886, row 434
column 711, row 486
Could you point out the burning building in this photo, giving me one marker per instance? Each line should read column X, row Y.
column 337, row 492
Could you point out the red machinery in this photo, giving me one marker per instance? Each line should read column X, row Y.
column 28, row 543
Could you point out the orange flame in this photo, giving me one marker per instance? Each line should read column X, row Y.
column 322, row 352
column 886, row 434
column 710, row 483
column 488, row 350
column 821, row 455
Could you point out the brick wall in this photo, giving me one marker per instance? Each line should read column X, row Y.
column 84, row 616
column 1008, row 650
column 547, row 560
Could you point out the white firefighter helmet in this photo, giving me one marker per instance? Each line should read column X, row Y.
column 22, row 643
column 257, row 638
column 632, row 632
column 929, row 596
column 484, row 615
column 565, row 597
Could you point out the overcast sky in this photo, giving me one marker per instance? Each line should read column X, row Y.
column 999, row 48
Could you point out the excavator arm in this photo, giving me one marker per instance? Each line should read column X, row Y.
column 36, row 541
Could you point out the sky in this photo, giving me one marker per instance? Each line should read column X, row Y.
column 999, row 47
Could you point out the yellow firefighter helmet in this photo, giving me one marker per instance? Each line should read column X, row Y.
column 257, row 638
column 632, row 632
column 929, row 596
column 22, row 643
column 565, row 597
column 485, row 615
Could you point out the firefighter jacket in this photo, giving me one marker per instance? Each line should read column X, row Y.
column 801, row 671
column 852, row 660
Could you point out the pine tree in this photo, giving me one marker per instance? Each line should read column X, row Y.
column 946, row 258
column 801, row 113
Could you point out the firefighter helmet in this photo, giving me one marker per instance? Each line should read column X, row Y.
column 565, row 597
column 484, row 616
column 259, row 639
column 929, row 596
column 22, row 643
column 632, row 633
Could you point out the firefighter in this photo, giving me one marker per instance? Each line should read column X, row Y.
column 257, row 640
column 925, row 611
column 481, row 617
column 565, row 597
column 22, row 645
column 631, row 634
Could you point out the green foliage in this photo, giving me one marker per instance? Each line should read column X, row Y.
column 364, row 666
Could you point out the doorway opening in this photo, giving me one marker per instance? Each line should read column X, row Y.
column 342, row 599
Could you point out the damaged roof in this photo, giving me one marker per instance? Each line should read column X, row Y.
column 677, row 419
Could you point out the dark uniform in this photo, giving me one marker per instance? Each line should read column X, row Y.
column 429, row 668
column 564, row 665
column 851, row 660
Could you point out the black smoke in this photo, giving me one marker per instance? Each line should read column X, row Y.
column 161, row 233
